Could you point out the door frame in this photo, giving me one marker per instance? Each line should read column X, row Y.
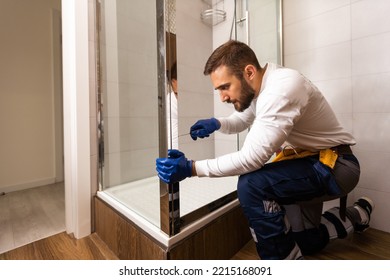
column 76, row 92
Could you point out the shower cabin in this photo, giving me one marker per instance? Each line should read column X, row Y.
column 151, row 89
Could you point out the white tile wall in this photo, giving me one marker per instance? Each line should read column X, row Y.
column 369, row 92
column 319, row 31
column 342, row 46
column 371, row 54
column 298, row 10
column 372, row 131
column 325, row 63
column 338, row 92
column 370, row 17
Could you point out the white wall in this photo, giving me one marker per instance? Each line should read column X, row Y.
column 27, row 148
column 342, row 46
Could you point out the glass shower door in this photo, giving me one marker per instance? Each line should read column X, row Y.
column 265, row 30
column 128, row 104
column 258, row 23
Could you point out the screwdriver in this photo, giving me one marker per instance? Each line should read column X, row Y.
column 184, row 134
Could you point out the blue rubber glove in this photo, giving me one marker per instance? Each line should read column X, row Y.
column 203, row 128
column 175, row 168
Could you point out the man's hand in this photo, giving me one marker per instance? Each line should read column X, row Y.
column 176, row 167
column 203, row 128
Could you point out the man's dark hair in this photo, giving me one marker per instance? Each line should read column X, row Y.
column 233, row 54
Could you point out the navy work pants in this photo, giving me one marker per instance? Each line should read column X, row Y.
column 264, row 192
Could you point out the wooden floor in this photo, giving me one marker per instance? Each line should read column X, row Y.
column 32, row 228
column 371, row 245
column 62, row 247
column 30, row 215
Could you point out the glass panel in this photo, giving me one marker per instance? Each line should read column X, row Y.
column 258, row 24
column 255, row 22
column 129, row 104
column 264, row 30
column 195, row 22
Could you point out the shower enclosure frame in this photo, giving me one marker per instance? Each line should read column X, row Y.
column 170, row 221
column 169, row 193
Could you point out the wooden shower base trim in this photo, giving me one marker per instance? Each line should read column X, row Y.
column 220, row 239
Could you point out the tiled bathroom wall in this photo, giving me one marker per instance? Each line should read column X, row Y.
column 342, row 46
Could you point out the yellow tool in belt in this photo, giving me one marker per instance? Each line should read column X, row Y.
column 327, row 156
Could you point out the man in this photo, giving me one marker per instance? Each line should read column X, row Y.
column 282, row 199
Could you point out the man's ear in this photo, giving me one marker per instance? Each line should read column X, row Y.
column 250, row 71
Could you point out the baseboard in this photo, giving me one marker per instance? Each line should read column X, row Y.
column 27, row 185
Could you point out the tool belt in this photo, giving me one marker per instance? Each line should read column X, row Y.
column 327, row 156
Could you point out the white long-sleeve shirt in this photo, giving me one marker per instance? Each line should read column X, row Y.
column 289, row 110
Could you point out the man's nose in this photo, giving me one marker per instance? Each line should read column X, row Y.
column 224, row 97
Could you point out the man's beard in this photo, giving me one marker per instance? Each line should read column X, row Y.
column 247, row 95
